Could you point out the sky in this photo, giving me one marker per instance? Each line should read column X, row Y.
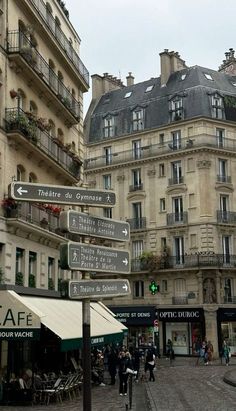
column 122, row 36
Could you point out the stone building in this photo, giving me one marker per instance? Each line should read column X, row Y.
column 167, row 146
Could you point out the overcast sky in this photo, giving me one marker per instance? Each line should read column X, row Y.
column 118, row 36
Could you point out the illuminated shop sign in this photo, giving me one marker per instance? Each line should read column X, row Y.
column 180, row 315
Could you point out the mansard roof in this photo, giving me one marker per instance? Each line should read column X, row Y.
column 190, row 84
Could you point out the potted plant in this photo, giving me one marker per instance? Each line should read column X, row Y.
column 10, row 207
column 13, row 93
column 19, row 278
column 32, row 280
column 50, row 284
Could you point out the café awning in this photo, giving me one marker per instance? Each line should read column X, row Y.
column 64, row 318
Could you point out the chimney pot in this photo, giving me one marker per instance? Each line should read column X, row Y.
column 130, row 79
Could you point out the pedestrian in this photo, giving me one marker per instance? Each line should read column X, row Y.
column 124, row 365
column 112, row 364
column 150, row 364
column 210, row 351
column 226, row 352
column 170, row 351
column 136, row 361
column 204, row 353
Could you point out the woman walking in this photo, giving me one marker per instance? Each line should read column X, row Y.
column 226, row 352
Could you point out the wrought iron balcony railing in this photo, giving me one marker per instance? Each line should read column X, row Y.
column 61, row 38
column 18, row 121
column 17, row 42
column 207, row 260
column 136, row 187
column 221, row 178
column 137, row 223
column 180, row 300
column 176, row 180
column 226, row 217
column 157, row 150
column 177, row 218
column 229, row 300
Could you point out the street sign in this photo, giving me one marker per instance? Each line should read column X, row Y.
column 61, row 194
column 85, row 224
column 98, row 288
column 86, row 257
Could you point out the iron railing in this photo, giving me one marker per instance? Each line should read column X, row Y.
column 188, row 261
column 176, row 180
column 136, row 187
column 229, row 300
column 17, row 120
column 156, row 150
column 222, row 178
column 177, row 218
column 61, row 38
column 17, row 42
column 180, row 300
column 227, row 217
column 137, row 223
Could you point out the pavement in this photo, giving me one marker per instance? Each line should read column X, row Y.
column 144, row 396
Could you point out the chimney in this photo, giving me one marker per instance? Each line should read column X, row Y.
column 103, row 84
column 170, row 63
column 130, row 79
column 229, row 64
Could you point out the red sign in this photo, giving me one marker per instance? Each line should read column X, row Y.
column 155, row 323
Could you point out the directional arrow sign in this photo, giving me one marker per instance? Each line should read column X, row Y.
column 98, row 288
column 61, row 194
column 84, row 257
column 81, row 223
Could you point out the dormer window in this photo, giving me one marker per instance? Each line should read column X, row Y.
column 217, row 106
column 149, row 88
column 109, row 129
column 128, row 94
column 138, row 120
column 208, row 76
column 176, row 109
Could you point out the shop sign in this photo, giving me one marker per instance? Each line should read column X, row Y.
column 186, row 315
column 135, row 315
column 17, row 321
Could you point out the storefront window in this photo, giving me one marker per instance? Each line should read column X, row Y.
column 184, row 337
column 228, row 332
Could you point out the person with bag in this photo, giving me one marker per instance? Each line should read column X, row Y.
column 226, row 352
column 150, row 364
column 210, row 351
column 125, row 367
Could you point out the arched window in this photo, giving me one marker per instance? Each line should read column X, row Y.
column 60, row 135
column 33, row 108
column 20, row 99
column 32, row 178
column 49, row 16
column 20, row 173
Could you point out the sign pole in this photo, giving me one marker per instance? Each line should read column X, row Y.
column 87, row 388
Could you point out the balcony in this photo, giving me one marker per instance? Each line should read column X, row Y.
column 71, row 57
column 136, row 187
column 229, row 300
column 226, row 217
column 27, row 134
column 196, row 261
column 221, row 178
column 177, row 218
column 176, row 180
column 34, row 214
column 182, row 300
column 137, row 223
column 22, row 53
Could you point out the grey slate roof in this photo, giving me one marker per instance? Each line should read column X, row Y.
column 195, row 90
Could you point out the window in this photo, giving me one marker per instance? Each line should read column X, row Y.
column 176, row 109
column 220, row 135
column 176, row 140
column 149, row 88
column 138, row 289
column 179, row 250
column 229, row 292
column 136, row 148
column 226, row 245
column 32, row 268
column 222, row 177
column 51, row 273
column 183, row 76
column 163, row 243
column 164, row 286
column 109, row 126
column 176, row 171
column 107, row 212
column 137, row 215
column 217, row 107
column 161, row 138
column 128, row 94
column 136, row 179
column 19, row 260
column 107, row 181
column 108, row 155
column 137, row 248
column 208, row 76
column 161, row 170
column 177, row 204
column 162, row 204
column 138, row 120
column 180, row 287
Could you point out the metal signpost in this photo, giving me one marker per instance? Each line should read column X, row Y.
column 61, row 194
column 98, row 288
column 86, row 257
column 85, row 224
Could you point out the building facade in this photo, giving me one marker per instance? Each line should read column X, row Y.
column 167, row 148
column 41, row 141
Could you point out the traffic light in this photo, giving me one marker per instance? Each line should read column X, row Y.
column 154, row 287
